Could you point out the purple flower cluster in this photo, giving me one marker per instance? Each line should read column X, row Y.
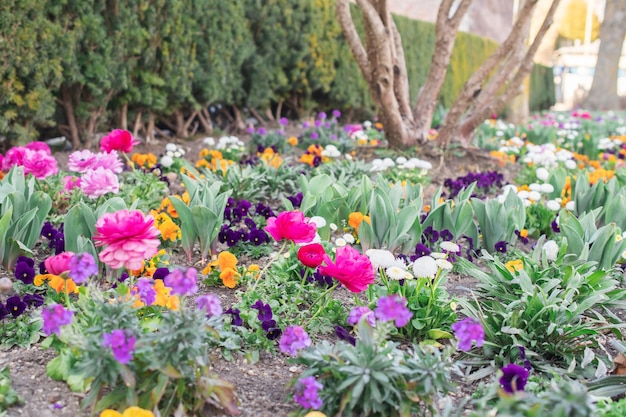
column 320, row 279
column 182, row 282
column 15, row 306
column 54, row 316
column 82, row 266
column 25, row 269
column 266, row 317
column 306, row 393
column 357, row 312
column 210, row 303
column 145, row 289
column 240, row 226
column 56, row 238
column 393, row 308
column 122, row 343
column 485, row 182
column 294, row 338
column 467, row 331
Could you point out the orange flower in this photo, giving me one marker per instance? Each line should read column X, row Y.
column 307, row 158
column 204, row 152
column 293, row 141
column 229, row 277
column 58, row 283
column 226, row 260
column 355, row 219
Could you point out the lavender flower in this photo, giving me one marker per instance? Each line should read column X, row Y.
column 182, row 283
column 294, row 338
column 306, row 393
column 54, row 316
column 336, row 114
column 122, row 343
column 321, row 115
column 393, row 308
column 211, row 303
column 514, row 378
column 358, row 312
column 145, row 290
column 283, row 121
column 469, row 330
column 82, row 266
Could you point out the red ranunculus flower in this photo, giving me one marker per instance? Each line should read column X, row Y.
column 291, row 225
column 352, row 269
column 118, row 140
column 311, row 255
column 58, row 264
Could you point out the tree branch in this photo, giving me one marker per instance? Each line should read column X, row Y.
column 352, row 38
column 401, row 79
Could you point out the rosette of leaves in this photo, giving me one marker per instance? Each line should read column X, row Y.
column 375, row 378
column 498, row 221
column 202, row 218
column 23, row 212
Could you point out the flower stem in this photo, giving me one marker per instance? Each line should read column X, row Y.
column 304, row 277
column 262, row 271
column 322, row 306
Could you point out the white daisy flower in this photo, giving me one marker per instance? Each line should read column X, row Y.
column 396, row 273
column 340, row 242
column 425, row 267
column 167, row 161
column 553, row 205
column 333, row 227
column 349, row 238
column 170, row 147
column 438, row 255
column 381, row 258
column 444, row 264
column 319, row 221
column 542, row 173
column 450, row 246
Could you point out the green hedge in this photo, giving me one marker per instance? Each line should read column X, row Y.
column 167, row 57
column 542, row 89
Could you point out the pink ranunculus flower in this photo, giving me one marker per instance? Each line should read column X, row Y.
column 109, row 160
column 39, row 163
column 14, row 156
column 352, row 269
column 118, row 140
column 58, row 264
column 291, row 225
column 39, row 146
column 70, row 183
column 99, row 181
column 81, row 161
column 129, row 238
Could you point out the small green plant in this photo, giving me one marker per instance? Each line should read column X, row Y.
column 498, row 221
column 8, row 396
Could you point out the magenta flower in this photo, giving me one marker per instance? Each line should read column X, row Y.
column 357, row 312
column 39, row 146
column 294, row 338
column 14, row 156
column 58, row 264
column 54, row 316
column 39, row 163
column 210, row 303
column 145, row 289
column 100, row 181
column 82, row 266
column 311, row 255
column 306, row 393
column 291, row 225
column 353, row 270
column 393, row 308
column 118, row 140
column 122, row 343
column 182, row 282
column 70, row 183
column 129, row 237
column 469, row 330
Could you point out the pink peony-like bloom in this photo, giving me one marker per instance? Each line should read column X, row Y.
column 129, row 237
column 118, row 140
column 58, row 264
column 14, row 156
column 81, row 161
column 291, row 225
column 353, row 270
column 39, row 163
column 99, row 181
column 39, row 146
column 109, row 160
column 70, row 183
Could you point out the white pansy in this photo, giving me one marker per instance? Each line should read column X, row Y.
column 349, row 238
column 542, row 173
column 388, row 162
column 319, row 221
column 331, row 151
column 177, row 154
column 425, row 267
column 508, row 189
column 381, row 258
column 450, row 246
column 171, row 147
column 553, row 205
column 444, row 264
column 367, row 124
column 551, row 249
column 523, row 194
column 167, row 161
column 570, row 205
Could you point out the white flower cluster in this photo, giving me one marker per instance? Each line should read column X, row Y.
column 400, row 162
column 423, row 267
column 171, row 151
column 547, row 155
column 225, row 142
column 331, row 151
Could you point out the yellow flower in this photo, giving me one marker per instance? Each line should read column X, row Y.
column 307, row 158
column 229, row 277
column 133, row 411
column 204, row 152
column 515, row 265
column 523, row 233
column 110, row 413
column 169, row 230
column 209, row 267
column 315, row 414
column 293, row 141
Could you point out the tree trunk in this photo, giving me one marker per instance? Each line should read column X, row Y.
column 205, row 120
column 68, row 105
column 603, row 92
column 180, row 124
column 137, row 125
column 124, row 117
column 150, row 128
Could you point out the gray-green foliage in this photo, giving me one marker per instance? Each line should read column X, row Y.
column 498, row 221
column 23, row 210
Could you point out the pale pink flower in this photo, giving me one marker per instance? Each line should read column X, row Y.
column 99, row 181
column 70, row 183
column 39, row 163
column 81, row 161
column 110, row 161
column 118, row 140
column 129, row 238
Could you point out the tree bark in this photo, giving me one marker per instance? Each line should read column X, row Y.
column 205, row 120
column 603, row 92
column 68, row 106
column 137, row 125
column 124, row 117
column 150, row 128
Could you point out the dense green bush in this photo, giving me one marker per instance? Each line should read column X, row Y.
column 542, row 90
column 92, row 65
